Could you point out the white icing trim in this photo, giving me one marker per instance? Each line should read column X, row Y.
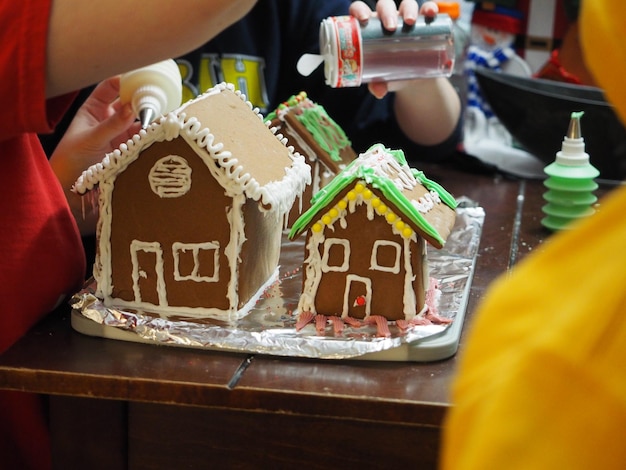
column 316, row 172
column 409, row 299
column 350, row 278
column 195, row 248
column 313, row 273
column 170, row 177
column 301, row 143
column 328, row 244
column 384, row 165
column 426, row 202
column 199, row 312
column 425, row 267
column 137, row 273
column 280, row 195
column 233, row 249
column 374, row 265
column 102, row 266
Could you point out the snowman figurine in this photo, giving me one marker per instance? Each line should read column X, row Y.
column 492, row 35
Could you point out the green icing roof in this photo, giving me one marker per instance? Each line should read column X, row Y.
column 356, row 171
column 325, row 131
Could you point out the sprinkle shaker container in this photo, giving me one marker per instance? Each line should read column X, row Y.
column 355, row 53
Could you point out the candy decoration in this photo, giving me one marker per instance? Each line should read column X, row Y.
column 360, row 192
column 360, row 301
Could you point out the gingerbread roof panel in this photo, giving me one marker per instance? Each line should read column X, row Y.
column 423, row 203
column 319, row 131
column 221, row 126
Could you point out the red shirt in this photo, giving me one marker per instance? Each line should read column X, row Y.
column 41, row 258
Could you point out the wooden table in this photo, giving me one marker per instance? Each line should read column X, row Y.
column 120, row 405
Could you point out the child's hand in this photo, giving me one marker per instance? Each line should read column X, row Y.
column 388, row 13
column 101, row 124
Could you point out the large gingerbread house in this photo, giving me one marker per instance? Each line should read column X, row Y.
column 191, row 210
column 367, row 236
column 317, row 137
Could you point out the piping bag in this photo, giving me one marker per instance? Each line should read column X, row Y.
column 153, row 90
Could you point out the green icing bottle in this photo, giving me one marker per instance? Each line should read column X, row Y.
column 570, row 183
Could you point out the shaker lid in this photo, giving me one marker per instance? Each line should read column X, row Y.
column 340, row 45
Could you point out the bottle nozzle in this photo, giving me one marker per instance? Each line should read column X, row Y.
column 153, row 90
column 573, row 147
column 146, row 115
column 570, row 182
column 574, row 132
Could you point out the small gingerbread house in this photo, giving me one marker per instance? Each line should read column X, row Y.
column 315, row 135
column 191, row 209
column 367, row 236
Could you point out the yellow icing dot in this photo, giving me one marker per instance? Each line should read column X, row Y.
column 400, row 225
column 375, row 202
column 367, row 194
column 359, row 187
column 381, row 209
column 351, row 195
column 342, row 204
column 333, row 212
column 327, row 219
column 407, row 232
column 390, row 216
column 317, row 227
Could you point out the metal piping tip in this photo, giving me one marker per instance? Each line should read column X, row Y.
column 146, row 115
column 574, row 132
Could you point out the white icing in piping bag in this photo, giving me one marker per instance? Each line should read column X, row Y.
column 154, row 90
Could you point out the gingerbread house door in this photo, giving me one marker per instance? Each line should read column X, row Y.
column 147, row 273
column 357, row 298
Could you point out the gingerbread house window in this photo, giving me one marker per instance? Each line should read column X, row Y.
column 336, row 255
column 196, row 261
column 386, row 256
column 170, row 177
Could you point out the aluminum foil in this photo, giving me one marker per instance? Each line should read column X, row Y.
column 269, row 328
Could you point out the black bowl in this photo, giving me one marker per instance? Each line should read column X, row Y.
column 537, row 113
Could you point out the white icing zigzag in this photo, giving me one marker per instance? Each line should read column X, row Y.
column 384, row 166
column 279, row 194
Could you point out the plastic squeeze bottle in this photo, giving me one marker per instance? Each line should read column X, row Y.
column 570, row 181
column 153, row 90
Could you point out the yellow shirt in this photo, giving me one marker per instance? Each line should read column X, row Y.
column 602, row 27
column 542, row 375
